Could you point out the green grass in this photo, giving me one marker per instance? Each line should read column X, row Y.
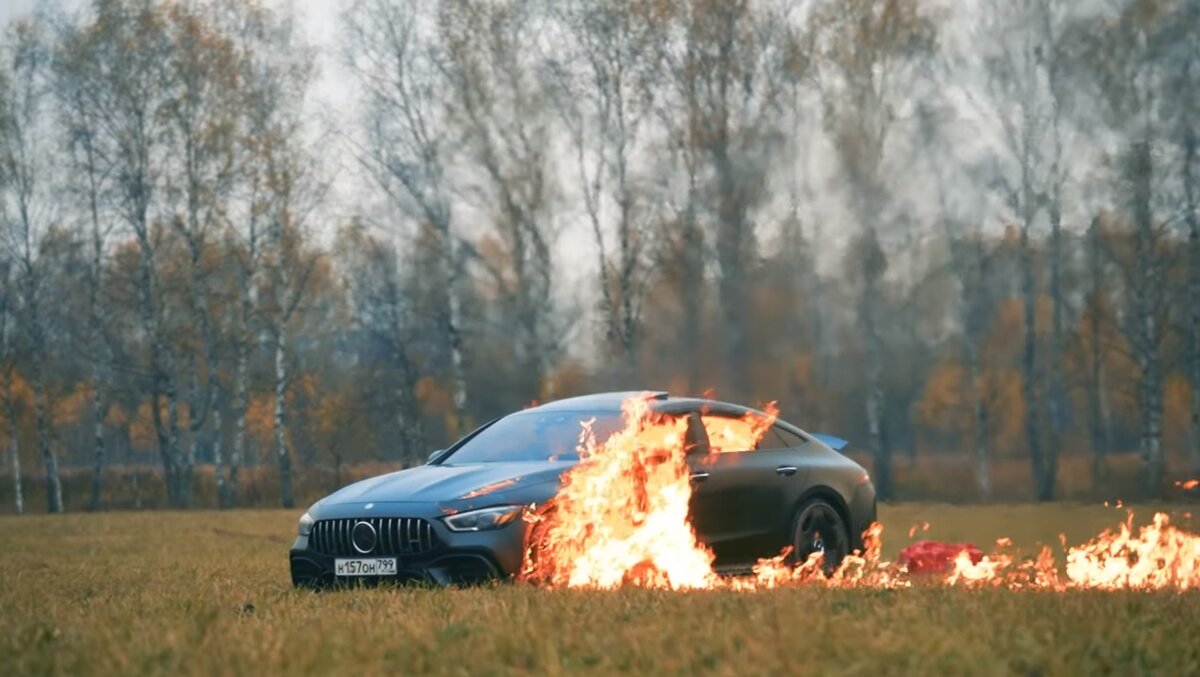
column 208, row 593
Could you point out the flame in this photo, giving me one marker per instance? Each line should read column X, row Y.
column 738, row 434
column 490, row 488
column 621, row 518
column 1188, row 485
column 622, row 514
column 912, row 531
column 1159, row 556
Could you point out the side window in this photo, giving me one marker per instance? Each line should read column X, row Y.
column 727, row 434
column 772, row 439
column 733, row 434
column 790, row 440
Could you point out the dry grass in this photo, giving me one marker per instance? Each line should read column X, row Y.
column 209, row 593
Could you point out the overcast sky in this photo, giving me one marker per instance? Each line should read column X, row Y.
column 333, row 100
column 319, row 19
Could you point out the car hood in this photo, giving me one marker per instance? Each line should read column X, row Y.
column 458, row 486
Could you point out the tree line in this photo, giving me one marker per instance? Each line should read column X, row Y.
column 969, row 234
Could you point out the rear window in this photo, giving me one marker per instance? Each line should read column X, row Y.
column 535, row 436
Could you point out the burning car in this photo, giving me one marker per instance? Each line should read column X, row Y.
column 611, row 479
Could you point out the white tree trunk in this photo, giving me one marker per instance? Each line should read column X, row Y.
column 14, row 440
column 457, row 371
column 218, row 460
column 15, row 453
column 54, row 500
column 240, row 405
column 1147, row 282
column 1097, row 386
column 1056, row 390
column 1043, row 491
column 979, row 412
column 1191, row 148
column 282, row 454
column 165, row 432
column 97, row 436
column 10, row 408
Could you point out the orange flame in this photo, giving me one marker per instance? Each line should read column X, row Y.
column 621, row 518
column 738, row 434
column 1188, row 485
column 490, row 488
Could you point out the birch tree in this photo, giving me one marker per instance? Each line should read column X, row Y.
column 90, row 178
column 289, row 192
column 381, row 299
column 409, row 147
column 290, row 266
column 127, row 46
column 27, row 210
column 1179, row 48
column 869, row 51
column 8, row 363
column 602, row 91
column 1115, row 51
column 499, row 115
column 1096, row 319
column 270, row 75
column 1023, row 94
column 200, row 112
column 971, row 264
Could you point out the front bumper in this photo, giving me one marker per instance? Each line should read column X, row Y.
column 457, row 558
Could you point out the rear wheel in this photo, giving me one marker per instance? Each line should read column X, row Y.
column 819, row 527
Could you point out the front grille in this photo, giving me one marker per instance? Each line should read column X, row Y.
column 395, row 536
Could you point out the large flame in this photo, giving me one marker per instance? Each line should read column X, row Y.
column 727, row 434
column 622, row 514
column 621, row 518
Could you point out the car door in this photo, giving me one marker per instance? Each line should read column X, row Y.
column 740, row 497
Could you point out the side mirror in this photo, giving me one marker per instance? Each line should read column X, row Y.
column 435, row 455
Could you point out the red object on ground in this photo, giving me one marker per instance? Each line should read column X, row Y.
column 935, row 557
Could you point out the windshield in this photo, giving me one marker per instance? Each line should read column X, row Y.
column 535, row 436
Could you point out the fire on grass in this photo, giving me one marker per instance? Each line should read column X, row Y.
column 621, row 518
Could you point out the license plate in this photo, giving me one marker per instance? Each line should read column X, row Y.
column 365, row 567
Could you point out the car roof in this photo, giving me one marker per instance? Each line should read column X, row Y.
column 661, row 401
column 597, row 401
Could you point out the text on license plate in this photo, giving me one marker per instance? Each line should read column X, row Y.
column 385, row 566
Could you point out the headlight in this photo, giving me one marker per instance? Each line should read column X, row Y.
column 305, row 526
column 483, row 520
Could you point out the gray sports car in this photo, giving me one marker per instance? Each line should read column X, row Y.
column 457, row 519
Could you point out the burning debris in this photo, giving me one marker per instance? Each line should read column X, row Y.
column 621, row 519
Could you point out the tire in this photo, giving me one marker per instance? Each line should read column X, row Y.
column 818, row 526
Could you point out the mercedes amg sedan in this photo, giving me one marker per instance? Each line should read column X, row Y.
column 457, row 519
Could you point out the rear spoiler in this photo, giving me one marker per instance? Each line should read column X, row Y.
column 835, row 443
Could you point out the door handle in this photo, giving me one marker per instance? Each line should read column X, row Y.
column 699, row 476
column 786, row 470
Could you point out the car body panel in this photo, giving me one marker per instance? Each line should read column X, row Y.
column 729, row 505
column 742, row 506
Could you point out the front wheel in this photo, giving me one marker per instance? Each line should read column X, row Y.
column 819, row 527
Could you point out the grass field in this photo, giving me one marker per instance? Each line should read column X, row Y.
column 208, row 593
